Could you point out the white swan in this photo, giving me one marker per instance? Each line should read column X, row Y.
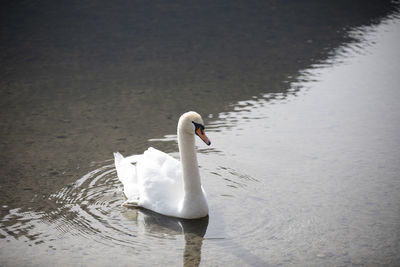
column 161, row 183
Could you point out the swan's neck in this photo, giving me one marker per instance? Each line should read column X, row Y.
column 190, row 168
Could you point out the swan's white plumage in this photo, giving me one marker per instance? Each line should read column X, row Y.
column 156, row 181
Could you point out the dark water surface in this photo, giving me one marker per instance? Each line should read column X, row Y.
column 301, row 103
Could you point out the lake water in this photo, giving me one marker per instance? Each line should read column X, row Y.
column 301, row 104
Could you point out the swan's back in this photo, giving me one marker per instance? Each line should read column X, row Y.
column 160, row 182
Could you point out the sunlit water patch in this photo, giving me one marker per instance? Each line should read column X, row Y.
column 310, row 177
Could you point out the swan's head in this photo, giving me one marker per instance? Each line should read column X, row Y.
column 192, row 123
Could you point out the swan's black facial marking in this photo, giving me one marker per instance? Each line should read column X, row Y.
column 198, row 126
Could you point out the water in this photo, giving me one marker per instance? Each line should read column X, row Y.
column 303, row 119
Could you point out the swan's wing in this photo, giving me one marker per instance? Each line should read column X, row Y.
column 160, row 182
column 127, row 175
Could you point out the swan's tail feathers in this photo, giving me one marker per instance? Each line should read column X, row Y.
column 131, row 159
column 127, row 175
column 118, row 157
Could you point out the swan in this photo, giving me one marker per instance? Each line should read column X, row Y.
column 156, row 181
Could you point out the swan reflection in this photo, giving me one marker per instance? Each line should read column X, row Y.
column 192, row 229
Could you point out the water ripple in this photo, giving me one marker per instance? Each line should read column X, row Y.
column 89, row 211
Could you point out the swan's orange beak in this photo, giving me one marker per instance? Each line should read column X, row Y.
column 200, row 133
